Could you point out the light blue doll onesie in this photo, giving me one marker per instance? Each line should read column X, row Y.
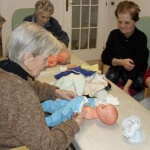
column 63, row 110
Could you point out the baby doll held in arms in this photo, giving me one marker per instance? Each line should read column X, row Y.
column 62, row 58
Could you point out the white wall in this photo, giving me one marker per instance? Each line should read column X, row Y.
column 144, row 6
column 0, row 7
column 7, row 8
column 111, row 20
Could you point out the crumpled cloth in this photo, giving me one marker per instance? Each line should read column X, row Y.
column 132, row 130
column 94, row 83
column 72, row 82
column 91, row 68
column 102, row 97
column 77, row 70
column 62, row 110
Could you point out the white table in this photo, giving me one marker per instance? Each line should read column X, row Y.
column 94, row 135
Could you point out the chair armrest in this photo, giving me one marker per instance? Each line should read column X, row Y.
column 101, row 65
column 146, row 92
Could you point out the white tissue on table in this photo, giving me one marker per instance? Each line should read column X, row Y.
column 132, row 130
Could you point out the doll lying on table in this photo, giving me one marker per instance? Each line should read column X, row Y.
column 62, row 110
column 62, row 58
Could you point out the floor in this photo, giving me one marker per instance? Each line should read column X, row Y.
column 146, row 102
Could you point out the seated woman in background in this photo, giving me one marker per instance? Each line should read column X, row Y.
column 147, row 78
column 126, row 49
column 44, row 10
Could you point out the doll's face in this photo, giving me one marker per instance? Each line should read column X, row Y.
column 108, row 114
column 52, row 61
column 63, row 57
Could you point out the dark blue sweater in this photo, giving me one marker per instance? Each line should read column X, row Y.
column 54, row 27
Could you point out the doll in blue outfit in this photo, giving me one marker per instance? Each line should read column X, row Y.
column 62, row 110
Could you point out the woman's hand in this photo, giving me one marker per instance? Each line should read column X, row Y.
column 67, row 95
column 79, row 118
column 128, row 64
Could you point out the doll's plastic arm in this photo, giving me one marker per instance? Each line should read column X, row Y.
column 71, row 66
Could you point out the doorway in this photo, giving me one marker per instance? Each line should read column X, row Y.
column 84, row 21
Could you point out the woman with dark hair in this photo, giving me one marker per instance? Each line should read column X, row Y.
column 126, row 49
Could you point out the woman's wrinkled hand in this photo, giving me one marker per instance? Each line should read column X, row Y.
column 128, row 64
column 79, row 118
column 63, row 94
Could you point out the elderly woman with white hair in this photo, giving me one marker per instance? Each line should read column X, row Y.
column 44, row 10
column 22, row 119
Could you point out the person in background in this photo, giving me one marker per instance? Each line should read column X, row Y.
column 147, row 78
column 126, row 49
column 22, row 119
column 44, row 10
column 2, row 21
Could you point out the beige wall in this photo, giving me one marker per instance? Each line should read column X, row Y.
column 144, row 6
column 7, row 7
column 111, row 19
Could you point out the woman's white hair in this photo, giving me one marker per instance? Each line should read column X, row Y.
column 44, row 6
column 30, row 37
